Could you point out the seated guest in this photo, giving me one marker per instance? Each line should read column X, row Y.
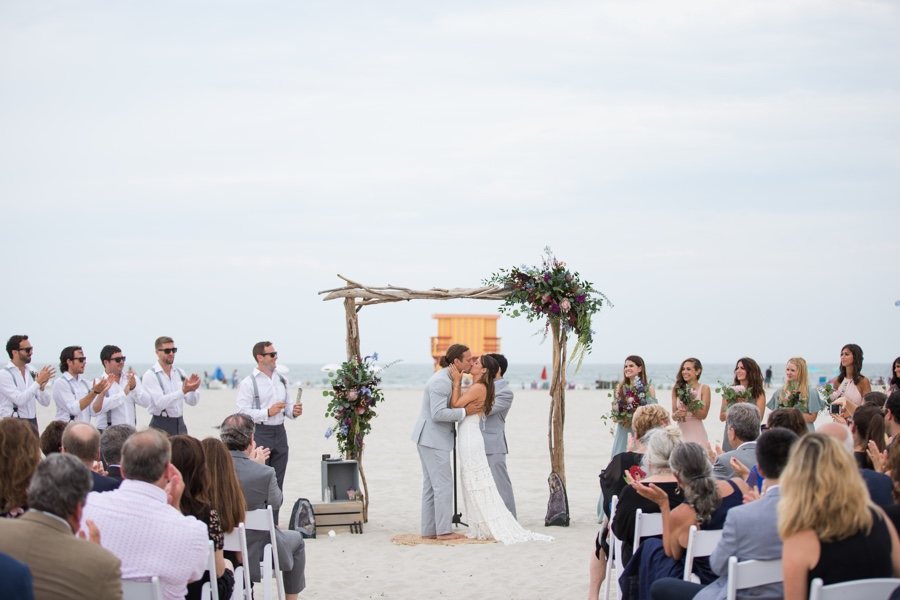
column 867, row 426
column 892, row 414
column 15, row 579
column 878, row 484
column 82, row 440
column 834, row 533
column 260, row 490
column 187, row 456
column 750, row 531
column 141, row 522
column 51, row 438
column 612, row 482
column 658, row 446
column 111, row 441
column 225, row 494
column 789, row 418
column 62, row 564
column 742, row 429
column 20, row 453
column 707, row 501
column 876, row 399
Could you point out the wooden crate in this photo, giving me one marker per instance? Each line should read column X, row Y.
column 340, row 516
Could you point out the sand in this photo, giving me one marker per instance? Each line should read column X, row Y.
column 370, row 566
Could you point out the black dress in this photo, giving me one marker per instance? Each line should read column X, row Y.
column 612, row 478
column 629, row 502
column 225, row 583
column 860, row 556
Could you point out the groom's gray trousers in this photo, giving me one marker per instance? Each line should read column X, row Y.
column 497, row 462
column 437, row 491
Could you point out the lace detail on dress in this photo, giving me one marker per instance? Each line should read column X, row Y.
column 485, row 512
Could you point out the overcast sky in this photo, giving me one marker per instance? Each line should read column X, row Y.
column 727, row 173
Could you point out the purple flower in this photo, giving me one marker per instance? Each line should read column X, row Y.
column 554, row 308
column 580, row 298
column 546, row 276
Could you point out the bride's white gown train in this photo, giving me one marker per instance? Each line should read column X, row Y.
column 485, row 512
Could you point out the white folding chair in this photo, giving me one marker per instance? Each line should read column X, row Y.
column 141, row 590
column 751, row 573
column 236, row 541
column 700, row 543
column 262, row 519
column 615, row 549
column 860, row 588
column 210, row 589
column 645, row 525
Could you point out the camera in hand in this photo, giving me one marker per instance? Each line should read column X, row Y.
column 835, row 409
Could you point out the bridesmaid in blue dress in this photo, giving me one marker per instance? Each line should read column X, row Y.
column 797, row 390
column 634, row 380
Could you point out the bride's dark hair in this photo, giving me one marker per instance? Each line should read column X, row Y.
column 491, row 368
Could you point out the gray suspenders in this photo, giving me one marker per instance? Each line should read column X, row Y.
column 256, row 405
column 75, row 394
column 15, row 409
column 163, row 389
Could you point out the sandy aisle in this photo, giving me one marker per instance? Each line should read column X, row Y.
column 370, row 566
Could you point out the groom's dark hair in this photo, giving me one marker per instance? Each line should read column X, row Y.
column 453, row 352
column 501, row 360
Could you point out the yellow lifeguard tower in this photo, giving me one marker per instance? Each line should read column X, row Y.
column 478, row 332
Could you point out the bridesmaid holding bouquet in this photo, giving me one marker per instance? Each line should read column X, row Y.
column 850, row 386
column 797, row 393
column 746, row 387
column 690, row 402
column 634, row 391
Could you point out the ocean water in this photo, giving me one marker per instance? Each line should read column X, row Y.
column 409, row 375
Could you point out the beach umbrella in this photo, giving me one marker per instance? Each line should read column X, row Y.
column 544, row 374
column 219, row 374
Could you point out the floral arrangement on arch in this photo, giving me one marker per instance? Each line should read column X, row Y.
column 552, row 293
column 354, row 394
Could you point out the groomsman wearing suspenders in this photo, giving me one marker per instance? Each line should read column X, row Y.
column 19, row 386
column 72, row 394
column 117, row 405
column 263, row 396
column 169, row 389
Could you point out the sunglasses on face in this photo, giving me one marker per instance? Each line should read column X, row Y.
column 118, row 359
column 272, row 354
column 80, row 359
column 27, row 350
column 168, row 350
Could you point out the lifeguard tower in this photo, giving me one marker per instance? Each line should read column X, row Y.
column 478, row 332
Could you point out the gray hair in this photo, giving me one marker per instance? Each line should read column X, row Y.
column 59, row 484
column 658, row 446
column 744, row 418
column 111, row 441
column 145, row 456
column 81, row 440
column 690, row 465
column 237, row 431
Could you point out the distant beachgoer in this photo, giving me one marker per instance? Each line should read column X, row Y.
column 769, row 376
column 234, row 380
column 690, row 402
column 206, row 379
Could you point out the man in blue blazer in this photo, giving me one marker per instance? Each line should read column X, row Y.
column 750, row 531
column 434, row 434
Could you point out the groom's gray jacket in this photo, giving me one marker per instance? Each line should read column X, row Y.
column 434, row 427
column 494, row 431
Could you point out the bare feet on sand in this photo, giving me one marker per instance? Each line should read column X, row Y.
column 450, row 536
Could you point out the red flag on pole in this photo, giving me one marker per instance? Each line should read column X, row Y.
column 544, row 373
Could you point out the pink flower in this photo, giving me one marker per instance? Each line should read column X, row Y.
column 352, row 396
column 360, row 410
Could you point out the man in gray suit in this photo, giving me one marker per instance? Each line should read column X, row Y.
column 434, row 437
column 750, row 531
column 260, row 486
column 742, row 427
column 494, row 434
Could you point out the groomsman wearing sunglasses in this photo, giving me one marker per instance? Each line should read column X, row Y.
column 72, row 394
column 116, row 406
column 169, row 388
column 19, row 386
column 263, row 396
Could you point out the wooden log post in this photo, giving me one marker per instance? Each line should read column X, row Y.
column 558, row 402
column 353, row 354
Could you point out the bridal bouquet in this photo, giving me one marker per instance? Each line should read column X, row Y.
column 625, row 402
column 354, row 394
column 790, row 397
column 732, row 394
column 552, row 293
column 692, row 402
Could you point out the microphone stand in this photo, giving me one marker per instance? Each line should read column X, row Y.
column 457, row 516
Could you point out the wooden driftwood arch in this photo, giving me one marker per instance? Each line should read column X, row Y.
column 357, row 295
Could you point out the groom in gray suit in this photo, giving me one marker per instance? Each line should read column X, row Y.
column 434, row 437
column 750, row 531
column 494, row 434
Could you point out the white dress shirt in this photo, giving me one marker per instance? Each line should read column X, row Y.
column 271, row 390
column 118, row 405
column 18, row 393
column 169, row 398
column 67, row 391
column 149, row 536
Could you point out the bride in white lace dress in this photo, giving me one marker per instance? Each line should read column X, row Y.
column 486, row 513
